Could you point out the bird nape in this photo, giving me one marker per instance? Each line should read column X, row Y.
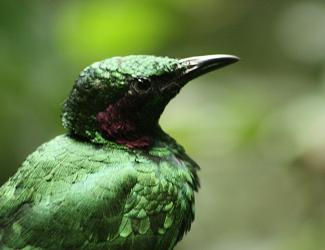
column 115, row 180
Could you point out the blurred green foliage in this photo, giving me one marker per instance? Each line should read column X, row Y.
column 256, row 128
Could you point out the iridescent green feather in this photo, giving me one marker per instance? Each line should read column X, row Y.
column 85, row 191
column 70, row 193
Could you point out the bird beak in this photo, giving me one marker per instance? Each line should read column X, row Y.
column 199, row 65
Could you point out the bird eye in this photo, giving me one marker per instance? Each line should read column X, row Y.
column 142, row 86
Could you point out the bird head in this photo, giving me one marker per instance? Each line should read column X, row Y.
column 121, row 99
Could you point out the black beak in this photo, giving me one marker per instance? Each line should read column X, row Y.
column 199, row 65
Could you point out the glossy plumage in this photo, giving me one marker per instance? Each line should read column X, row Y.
column 75, row 195
column 92, row 189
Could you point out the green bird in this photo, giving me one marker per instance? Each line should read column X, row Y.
column 115, row 180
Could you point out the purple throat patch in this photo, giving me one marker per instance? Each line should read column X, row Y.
column 118, row 123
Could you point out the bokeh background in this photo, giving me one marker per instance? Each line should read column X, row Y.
column 257, row 128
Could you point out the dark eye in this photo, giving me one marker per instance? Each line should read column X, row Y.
column 142, row 86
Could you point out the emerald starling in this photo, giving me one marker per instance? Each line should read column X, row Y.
column 115, row 180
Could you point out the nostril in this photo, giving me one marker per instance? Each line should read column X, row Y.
column 172, row 86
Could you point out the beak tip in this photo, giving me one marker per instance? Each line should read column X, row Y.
column 231, row 59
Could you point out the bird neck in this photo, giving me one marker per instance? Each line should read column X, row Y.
column 125, row 123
